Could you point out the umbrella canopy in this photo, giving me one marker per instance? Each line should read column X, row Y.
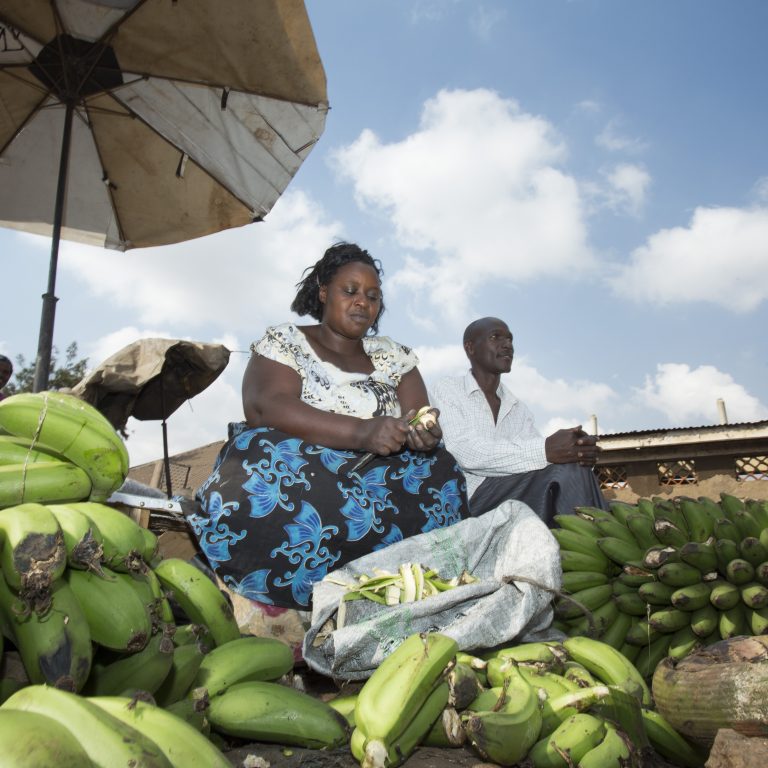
column 150, row 379
column 131, row 123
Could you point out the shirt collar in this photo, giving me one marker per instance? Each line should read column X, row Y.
column 471, row 386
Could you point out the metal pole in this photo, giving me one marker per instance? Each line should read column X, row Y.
column 166, row 459
column 45, row 339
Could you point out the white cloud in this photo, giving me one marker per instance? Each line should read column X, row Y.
column 760, row 189
column 628, row 185
column 614, row 140
column 484, row 20
column 687, row 396
column 205, row 281
column 720, row 257
column 478, row 184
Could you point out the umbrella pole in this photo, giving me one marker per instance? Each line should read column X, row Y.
column 45, row 339
column 166, row 459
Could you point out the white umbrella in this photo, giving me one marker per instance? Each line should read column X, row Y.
column 131, row 123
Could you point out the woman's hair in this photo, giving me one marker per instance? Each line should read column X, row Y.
column 307, row 301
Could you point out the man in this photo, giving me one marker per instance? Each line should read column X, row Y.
column 493, row 437
column 6, row 369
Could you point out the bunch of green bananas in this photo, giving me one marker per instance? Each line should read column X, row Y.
column 55, row 448
column 663, row 577
column 91, row 612
column 579, row 702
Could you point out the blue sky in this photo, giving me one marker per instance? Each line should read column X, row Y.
column 594, row 172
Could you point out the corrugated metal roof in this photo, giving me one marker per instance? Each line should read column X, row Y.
column 739, row 426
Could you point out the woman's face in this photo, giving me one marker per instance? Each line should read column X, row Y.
column 351, row 300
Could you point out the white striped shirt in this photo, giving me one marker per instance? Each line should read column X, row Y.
column 484, row 448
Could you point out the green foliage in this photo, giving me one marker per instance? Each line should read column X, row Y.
column 62, row 377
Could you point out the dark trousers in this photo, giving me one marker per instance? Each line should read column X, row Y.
column 557, row 489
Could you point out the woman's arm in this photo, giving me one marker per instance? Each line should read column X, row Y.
column 272, row 398
column 412, row 393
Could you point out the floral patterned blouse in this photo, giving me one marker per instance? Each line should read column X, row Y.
column 327, row 387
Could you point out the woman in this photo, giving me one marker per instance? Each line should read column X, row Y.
column 285, row 504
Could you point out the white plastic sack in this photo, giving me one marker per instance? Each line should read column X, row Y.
column 506, row 543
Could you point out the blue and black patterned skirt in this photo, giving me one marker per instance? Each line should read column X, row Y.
column 277, row 513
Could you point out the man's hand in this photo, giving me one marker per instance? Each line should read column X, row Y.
column 570, row 446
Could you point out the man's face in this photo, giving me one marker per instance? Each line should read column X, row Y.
column 5, row 373
column 490, row 348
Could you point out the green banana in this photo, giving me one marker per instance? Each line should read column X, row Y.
column 692, row 597
column 630, row 652
column 32, row 556
column 55, row 647
column 656, row 593
column 616, row 634
column 573, row 581
column 699, row 519
column 576, row 736
column 614, row 751
column 274, row 713
column 554, row 711
column 117, row 617
column 759, row 510
column 16, row 450
column 655, row 557
column 42, row 482
column 574, row 606
column 619, row 550
column 193, row 633
column 609, row 665
column 669, row 619
column 669, row 534
column 641, row 527
column 414, row 733
column 621, row 510
column 754, row 596
column 82, row 539
column 632, row 604
column 700, row 554
column 651, row 655
column 122, row 538
column 620, row 588
column 399, row 686
column 645, row 507
column 577, row 561
column 683, row 642
column 761, row 572
column 668, row 742
column 73, row 429
column 678, row 574
column 747, row 525
column 463, row 685
column 753, row 551
column 115, row 674
column 182, row 744
column 578, row 674
column 192, row 709
column 727, row 529
column 107, row 741
column 641, row 633
column 578, row 525
column 575, row 542
column 613, row 529
column 634, row 575
column 758, row 621
column 546, row 684
column 243, row 659
column 199, row 597
column 31, row 740
column 668, row 510
column 447, row 731
column 723, row 595
column 733, row 622
column 549, row 652
column 704, row 621
column 505, row 736
column 184, row 666
column 739, row 571
column 345, row 705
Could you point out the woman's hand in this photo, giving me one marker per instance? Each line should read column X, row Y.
column 426, row 433
column 384, row 435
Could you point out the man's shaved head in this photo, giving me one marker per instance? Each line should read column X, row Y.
column 476, row 327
